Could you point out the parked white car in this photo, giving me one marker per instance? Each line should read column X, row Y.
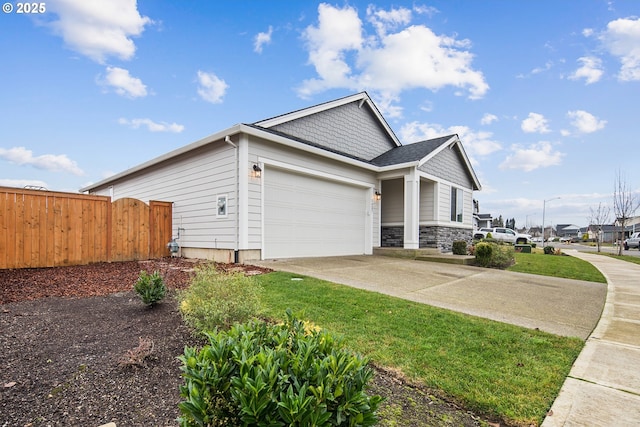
column 502, row 234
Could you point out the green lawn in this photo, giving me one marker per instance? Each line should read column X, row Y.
column 628, row 258
column 489, row 367
column 567, row 267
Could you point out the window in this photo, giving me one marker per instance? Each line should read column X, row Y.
column 456, row 204
column 222, row 205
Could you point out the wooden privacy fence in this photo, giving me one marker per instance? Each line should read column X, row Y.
column 48, row 229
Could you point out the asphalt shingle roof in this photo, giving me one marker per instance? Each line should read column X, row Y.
column 409, row 152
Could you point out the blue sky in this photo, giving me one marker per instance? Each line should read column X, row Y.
column 543, row 94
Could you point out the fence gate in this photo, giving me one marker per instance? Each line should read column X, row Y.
column 47, row 229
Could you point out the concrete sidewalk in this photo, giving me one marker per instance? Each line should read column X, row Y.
column 603, row 387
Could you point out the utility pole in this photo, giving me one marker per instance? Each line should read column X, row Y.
column 544, row 205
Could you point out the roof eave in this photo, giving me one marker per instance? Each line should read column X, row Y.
column 167, row 156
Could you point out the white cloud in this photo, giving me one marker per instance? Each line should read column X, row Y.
column 488, row 118
column 591, row 70
column 547, row 66
column 388, row 62
column 123, row 83
column 539, row 155
column 21, row 183
column 261, row 39
column 535, row 123
column 151, row 125
column 585, row 122
column 476, row 143
column 211, row 88
column 622, row 39
column 338, row 31
column 97, row 28
column 50, row 162
column 385, row 20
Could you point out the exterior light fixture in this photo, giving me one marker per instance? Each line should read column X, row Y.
column 377, row 196
column 257, row 172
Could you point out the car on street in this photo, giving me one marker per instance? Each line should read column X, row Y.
column 632, row 242
column 502, row 234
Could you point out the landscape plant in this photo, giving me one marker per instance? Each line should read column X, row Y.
column 549, row 250
column 150, row 287
column 259, row 374
column 483, row 251
column 495, row 255
column 459, row 247
column 216, row 300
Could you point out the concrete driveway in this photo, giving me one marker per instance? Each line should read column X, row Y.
column 560, row 306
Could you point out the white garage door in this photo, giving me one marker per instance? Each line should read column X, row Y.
column 308, row 216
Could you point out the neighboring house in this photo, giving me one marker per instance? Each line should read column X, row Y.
column 534, row 231
column 480, row 220
column 607, row 232
column 328, row 180
column 483, row 221
column 567, row 230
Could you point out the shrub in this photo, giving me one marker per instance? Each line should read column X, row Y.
column 257, row 374
column 216, row 299
column 549, row 250
column 503, row 256
column 483, row 253
column 459, row 247
column 150, row 287
column 489, row 235
column 489, row 254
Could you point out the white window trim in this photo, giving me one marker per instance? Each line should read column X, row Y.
column 222, row 213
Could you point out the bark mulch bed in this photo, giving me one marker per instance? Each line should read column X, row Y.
column 78, row 348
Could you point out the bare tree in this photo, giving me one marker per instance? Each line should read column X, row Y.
column 625, row 204
column 597, row 218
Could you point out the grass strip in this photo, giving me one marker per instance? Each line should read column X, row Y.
column 567, row 267
column 628, row 258
column 489, row 367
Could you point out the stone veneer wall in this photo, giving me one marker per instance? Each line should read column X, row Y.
column 392, row 237
column 430, row 237
column 442, row 237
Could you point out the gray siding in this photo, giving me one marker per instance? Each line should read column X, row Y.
column 427, row 202
column 191, row 182
column 348, row 129
column 449, row 165
column 393, row 202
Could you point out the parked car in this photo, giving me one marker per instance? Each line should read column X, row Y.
column 632, row 241
column 502, row 234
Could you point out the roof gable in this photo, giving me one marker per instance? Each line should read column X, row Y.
column 351, row 125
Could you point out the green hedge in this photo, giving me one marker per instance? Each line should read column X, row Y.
column 257, row 374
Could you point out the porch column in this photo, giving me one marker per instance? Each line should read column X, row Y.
column 412, row 210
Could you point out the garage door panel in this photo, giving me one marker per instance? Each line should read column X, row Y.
column 308, row 216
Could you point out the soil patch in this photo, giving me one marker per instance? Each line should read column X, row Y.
column 80, row 349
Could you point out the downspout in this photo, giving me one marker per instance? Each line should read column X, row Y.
column 228, row 140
